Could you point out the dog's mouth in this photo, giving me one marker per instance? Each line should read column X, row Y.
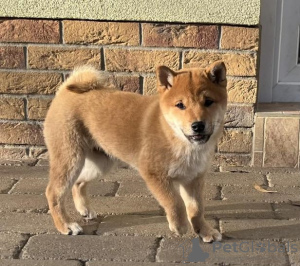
column 198, row 138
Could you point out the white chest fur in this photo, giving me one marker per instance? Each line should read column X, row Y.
column 191, row 161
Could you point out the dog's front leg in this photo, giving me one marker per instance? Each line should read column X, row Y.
column 193, row 195
column 169, row 198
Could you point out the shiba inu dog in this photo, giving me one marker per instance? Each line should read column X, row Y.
column 169, row 138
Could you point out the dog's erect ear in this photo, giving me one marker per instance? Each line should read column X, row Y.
column 165, row 77
column 216, row 72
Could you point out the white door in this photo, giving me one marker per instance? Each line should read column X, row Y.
column 279, row 75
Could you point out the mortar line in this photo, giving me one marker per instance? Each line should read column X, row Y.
column 20, row 251
column 264, row 142
column 286, row 253
column 13, row 186
column 158, row 242
column 141, row 83
column 141, row 34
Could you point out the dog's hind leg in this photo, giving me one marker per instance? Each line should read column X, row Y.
column 63, row 174
column 96, row 163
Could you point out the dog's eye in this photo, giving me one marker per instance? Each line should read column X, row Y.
column 180, row 105
column 208, row 102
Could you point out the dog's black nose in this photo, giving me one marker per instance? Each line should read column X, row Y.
column 198, row 127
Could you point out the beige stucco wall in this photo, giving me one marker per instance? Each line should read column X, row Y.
column 243, row 12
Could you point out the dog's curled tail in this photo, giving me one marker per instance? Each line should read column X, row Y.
column 86, row 78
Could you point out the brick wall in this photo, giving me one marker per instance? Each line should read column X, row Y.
column 36, row 56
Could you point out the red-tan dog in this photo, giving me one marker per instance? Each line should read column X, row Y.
column 170, row 138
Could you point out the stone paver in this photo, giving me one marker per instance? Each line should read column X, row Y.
column 6, row 184
column 293, row 250
column 261, row 229
column 24, row 172
column 221, row 209
column 131, row 263
column 122, row 205
column 123, row 174
column 87, row 247
column 228, row 178
column 11, row 244
column 131, row 227
column 140, row 225
column 39, row 263
column 287, row 211
column 27, row 223
column 250, row 194
column 284, row 179
column 23, row 203
column 228, row 252
column 38, row 186
column 139, row 189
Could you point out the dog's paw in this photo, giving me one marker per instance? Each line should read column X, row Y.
column 178, row 229
column 88, row 214
column 211, row 235
column 74, row 229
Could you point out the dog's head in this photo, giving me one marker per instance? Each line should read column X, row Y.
column 193, row 101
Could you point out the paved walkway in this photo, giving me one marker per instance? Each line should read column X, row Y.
column 258, row 228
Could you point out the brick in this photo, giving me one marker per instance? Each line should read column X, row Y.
column 126, row 83
column 150, row 85
column 225, row 209
column 23, row 203
column 178, row 250
column 21, row 133
column 239, row 116
column 260, row 229
column 238, row 64
column 61, row 57
column 29, row 83
column 98, row 32
column 236, row 141
column 180, row 35
column 88, row 247
column 12, row 108
column 281, row 142
column 27, row 223
column 19, row 262
column 11, row 244
column 38, row 107
column 250, row 194
column 239, row 38
column 12, row 57
column 12, row 153
column 129, row 60
column 241, row 90
column 233, row 159
column 139, row 225
column 29, row 31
